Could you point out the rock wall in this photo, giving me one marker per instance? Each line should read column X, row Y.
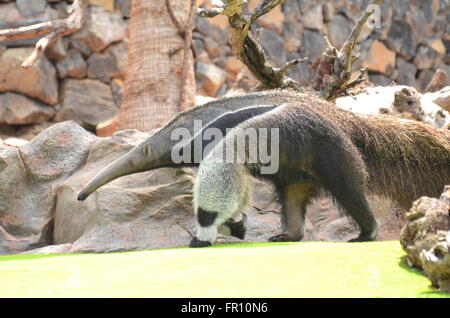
column 82, row 76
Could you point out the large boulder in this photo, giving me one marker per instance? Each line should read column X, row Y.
column 28, row 178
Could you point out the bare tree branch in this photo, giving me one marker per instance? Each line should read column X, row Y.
column 52, row 29
column 247, row 48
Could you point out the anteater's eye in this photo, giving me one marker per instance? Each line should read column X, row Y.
column 147, row 150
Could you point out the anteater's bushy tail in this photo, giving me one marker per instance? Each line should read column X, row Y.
column 405, row 159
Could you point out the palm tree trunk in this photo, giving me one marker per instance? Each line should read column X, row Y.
column 153, row 79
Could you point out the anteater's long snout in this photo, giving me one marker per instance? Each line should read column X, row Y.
column 132, row 162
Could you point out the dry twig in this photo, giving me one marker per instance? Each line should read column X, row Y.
column 332, row 69
column 52, row 30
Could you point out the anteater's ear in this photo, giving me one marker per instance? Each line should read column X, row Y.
column 147, row 150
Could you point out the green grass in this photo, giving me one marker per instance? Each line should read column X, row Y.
column 307, row 269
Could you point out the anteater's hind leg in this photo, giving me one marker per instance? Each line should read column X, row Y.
column 340, row 170
column 294, row 198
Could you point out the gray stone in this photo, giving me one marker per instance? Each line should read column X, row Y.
column 273, row 45
column 313, row 44
column 379, row 79
column 423, row 79
column 57, row 51
column 338, row 30
column 102, row 66
column 419, row 23
column 425, row 58
column 427, row 7
column 211, row 77
column 17, row 109
column 300, row 72
column 73, row 65
column 88, row 102
column 292, row 34
column 9, row 15
column 31, row 7
column 124, row 7
column 406, row 72
column 120, row 52
column 401, row 38
column 313, row 18
column 101, row 29
column 38, row 81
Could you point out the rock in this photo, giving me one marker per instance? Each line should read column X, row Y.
column 87, row 101
column 101, row 29
column 424, row 78
column 437, row 45
column 120, row 52
column 15, row 142
column 426, row 238
column 313, row 18
column 9, row 15
column 108, row 127
column 438, row 81
column 440, row 98
column 273, row 20
column 57, row 51
column 102, row 66
column 379, row 79
column 117, row 87
column 338, row 30
column 16, row 109
column 66, row 143
column 204, row 27
column 406, row 72
column 38, row 81
column 401, row 38
column 31, row 7
column 425, row 58
column 124, row 6
column 316, row 44
column 273, row 45
column 380, row 59
column 73, row 65
column 105, row 4
column 28, row 178
column 293, row 37
column 233, row 66
column 212, row 47
column 211, row 76
column 300, row 72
